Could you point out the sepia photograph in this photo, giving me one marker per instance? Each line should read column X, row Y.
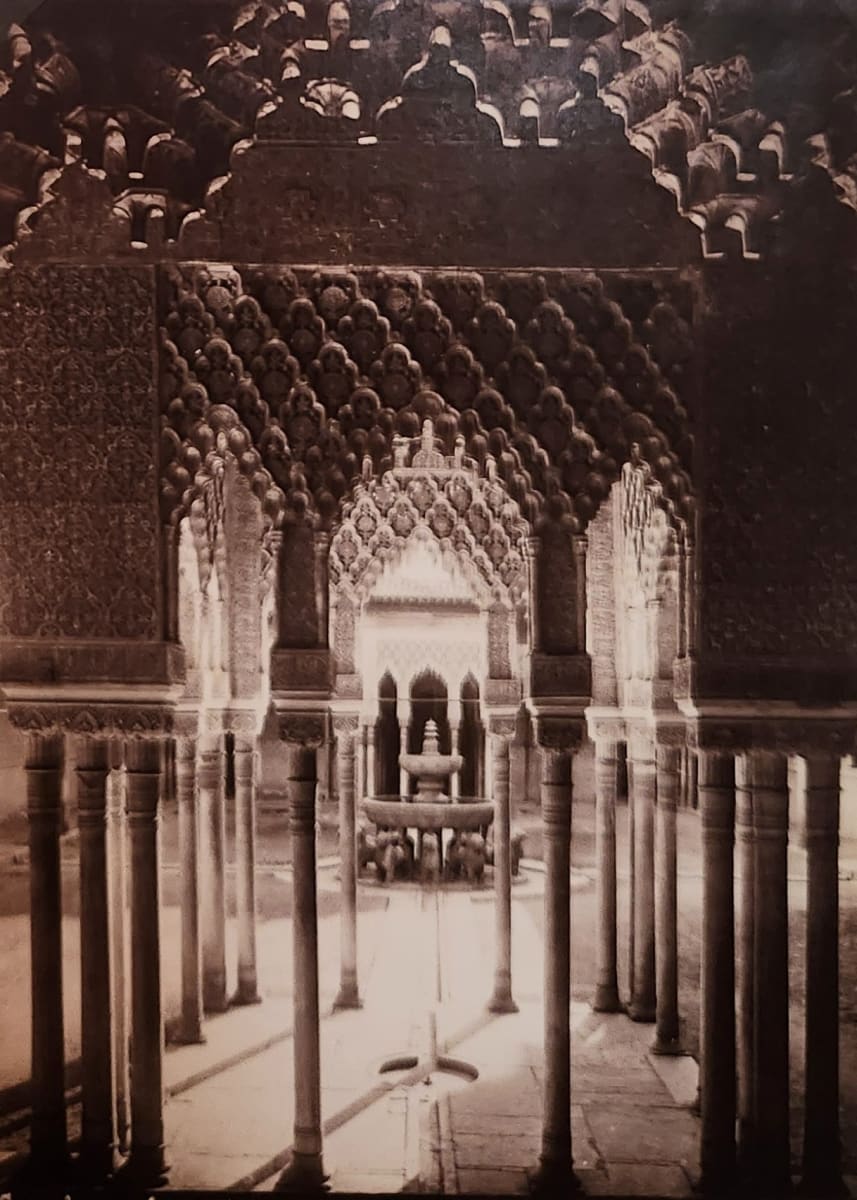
column 428, row 598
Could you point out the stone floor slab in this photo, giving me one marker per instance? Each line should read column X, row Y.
column 491, row 1182
column 637, row 1135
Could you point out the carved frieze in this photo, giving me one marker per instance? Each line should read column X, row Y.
column 118, row 720
column 305, row 670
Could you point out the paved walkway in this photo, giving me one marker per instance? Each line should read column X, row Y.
column 634, row 1132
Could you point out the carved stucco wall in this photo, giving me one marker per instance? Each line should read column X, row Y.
column 79, row 536
column 778, row 474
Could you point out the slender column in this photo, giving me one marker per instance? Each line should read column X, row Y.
column 606, row 779
column 502, row 1000
column 212, row 871
column 629, row 765
column 147, row 1163
column 643, row 782
column 305, row 1172
column 556, row 1162
column 98, row 1135
column 455, row 780
column 821, row 1142
column 360, row 762
column 769, row 784
column 746, row 1027
column 44, row 766
column 717, row 981
column 668, row 760
column 693, row 779
column 371, row 785
column 245, row 868
column 117, row 872
column 186, row 795
column 349, row 995
column 403, row 749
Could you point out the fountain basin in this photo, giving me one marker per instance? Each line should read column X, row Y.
column 428, row 815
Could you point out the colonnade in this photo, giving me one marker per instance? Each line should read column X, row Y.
column 119, row 789
column 743, row 800
column 744, row 1029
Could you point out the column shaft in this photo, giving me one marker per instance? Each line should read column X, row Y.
column 371, row 782
column 117, row 870
column 245, row 869
column 44, row 767
column 349, row 995
column 643, row 784
column 305, row 1171
column 556, row 1162
column 821, row 1144
column 717, row 1084
column 147, row 1033
column 606, row 780
column 98, row 1136
column 455, row 780
column 771, row 969
column 403, row 749
column 666, row 901
column 502, row 1001
column 746, row 1027
column 188, row 809
column 212, row 873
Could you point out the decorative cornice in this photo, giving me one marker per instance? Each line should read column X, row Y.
column 126, row 721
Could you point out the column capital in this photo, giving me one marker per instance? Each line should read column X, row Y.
column 345, row 726
column 92, row 767
column 502, row 726
column 302, row 729
column 605, row 724
column 561, row 733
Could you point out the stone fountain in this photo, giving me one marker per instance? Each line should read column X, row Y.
column 429, row 811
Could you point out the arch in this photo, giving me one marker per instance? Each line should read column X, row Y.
column 471, row 739
column 387, row 745
column 429, row 700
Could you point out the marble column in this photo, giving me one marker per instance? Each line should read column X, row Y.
column 455, row 779
column 745, row 1016
column 371, row 783
column 98, row 1131
column 186, row 796
column 668, row 762
column 404, row 778
column 349, row 994
column 643, row 788
column 245, row 760
column 629, row 769
column 147, row 1163
column 532, row 550
column 44, row 770
column 717, row 1075
column 555, row 1162
column 502, row 1000
column 117, row 872
column 606, row 780
column 821, row 1141
column 360, row 763
column 305, row 1172
column 212, row 872
column 769, row 784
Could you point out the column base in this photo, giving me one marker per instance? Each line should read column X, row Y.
column 643, row 1014
column 146, row 1168
column 551, row 1178
column 215, row 1005
column 185, row 1033
column 348, row 996
column 42, row 1176
column 821, row 1185
column 502, row 1002
column 243, row 997
column 666, row 1047
column 607, row 1000
column 96, row 1165
column 303, row 1176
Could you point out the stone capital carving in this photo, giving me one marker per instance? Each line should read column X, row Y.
column 306, row 730
column 345, row 725
column 563, row 734
column 501, row 726
column 607, row 726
